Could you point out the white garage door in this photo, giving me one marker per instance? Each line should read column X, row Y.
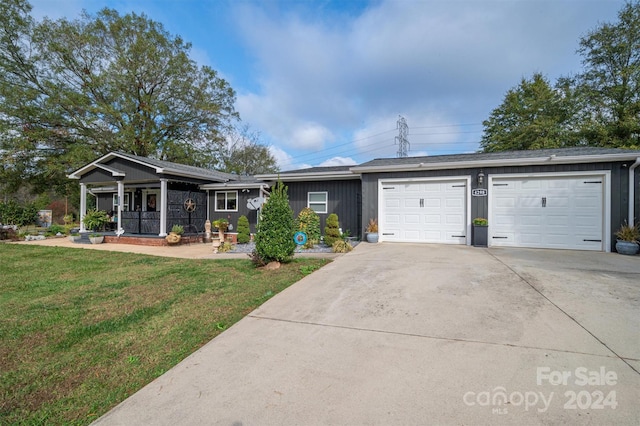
column 429, row 212
column 555, row 212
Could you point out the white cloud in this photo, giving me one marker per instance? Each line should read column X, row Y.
column 338, row 161
column 436, row 63
column 285, row 161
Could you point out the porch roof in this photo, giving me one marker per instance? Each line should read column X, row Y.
column 160, row 167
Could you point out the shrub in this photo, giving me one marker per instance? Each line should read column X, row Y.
column 68, row 219
column 95, row 219
column 274, row 237
column 309, row 222
column 55, row 229
column 332, row 230
column 628, row 233
column 221, row 224
column 341, row 246
column 13, row 214
column 244, row 233
column 480, row 221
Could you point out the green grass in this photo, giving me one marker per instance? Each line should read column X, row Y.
column 81, row 330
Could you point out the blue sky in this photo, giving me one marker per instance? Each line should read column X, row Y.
column 324, row 82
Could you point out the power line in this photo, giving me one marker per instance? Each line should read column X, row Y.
column 448, row 125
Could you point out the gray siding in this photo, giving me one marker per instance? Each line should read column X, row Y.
column 344, row 199
column 233, row 217
column 479, row 205
column 98, row 176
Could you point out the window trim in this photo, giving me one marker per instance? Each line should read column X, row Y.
column 125, row 205
column 226, row 201
column 316, row 203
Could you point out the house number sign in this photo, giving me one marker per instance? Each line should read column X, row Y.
column 479, row 192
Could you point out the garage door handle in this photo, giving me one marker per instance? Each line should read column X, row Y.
column 544, row 201
column 421, row 202
column 593, row 241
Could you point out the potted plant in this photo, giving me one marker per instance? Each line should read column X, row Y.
column 96, row 238
column 479, row 234
column 372, row 231
column 95, row 220
column 628, row 239
column 175, row 235
column 222, row 225
column 74, row 237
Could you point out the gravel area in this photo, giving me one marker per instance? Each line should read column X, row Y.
column 320, row 248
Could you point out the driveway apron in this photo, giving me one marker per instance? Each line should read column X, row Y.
column 421, row 334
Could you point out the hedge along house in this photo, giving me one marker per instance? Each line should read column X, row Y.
column 572, row 198
column 147, row 196
column 325, row 190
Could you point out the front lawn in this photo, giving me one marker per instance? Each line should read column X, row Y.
column 81, row 330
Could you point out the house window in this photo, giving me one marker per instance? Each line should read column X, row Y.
column 226, row 201
column 125, row 205
column 317, row 201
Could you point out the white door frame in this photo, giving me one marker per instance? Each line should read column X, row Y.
column 605, row 175
column 391, row 181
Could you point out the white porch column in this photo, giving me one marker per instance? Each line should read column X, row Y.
column 163, row 208
column 83, row 205
column 120, row 203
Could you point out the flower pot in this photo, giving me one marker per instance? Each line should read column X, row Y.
column 173, row 238
column 74, row 238
column 372, row 237
column 627, row 247
column 479, row 235
column 97, row 240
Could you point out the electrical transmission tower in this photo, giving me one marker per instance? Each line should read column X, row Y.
column 401, row 139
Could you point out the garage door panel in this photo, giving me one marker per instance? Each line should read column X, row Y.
column 392, row 203
column 455, row 219
column 411, row 202
column 528, row 184
column 553, row 212
column 412, row 219
column 424, row 212
column 392, row 219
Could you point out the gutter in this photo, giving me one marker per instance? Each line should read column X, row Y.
column 632, row 192
column 552, row 159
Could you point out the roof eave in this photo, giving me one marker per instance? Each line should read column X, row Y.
column 575, row 159
column 298, row 177
column 233, row 185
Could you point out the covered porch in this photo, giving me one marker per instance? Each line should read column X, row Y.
column 146, row 197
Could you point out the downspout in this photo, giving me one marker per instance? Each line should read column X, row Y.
column 632, row 192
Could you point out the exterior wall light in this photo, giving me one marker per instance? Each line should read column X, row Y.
column 480, row 178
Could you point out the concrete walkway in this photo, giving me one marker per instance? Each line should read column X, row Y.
column 421, row 334
column 184, row 251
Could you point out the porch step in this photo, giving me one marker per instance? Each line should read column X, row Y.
column 84, row 239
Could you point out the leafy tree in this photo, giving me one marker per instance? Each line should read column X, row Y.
column 332, row 230
column 12, row 213
column 244, row 232
column 246, row 155
column 73, row 90
column 274, row 236
column 610, row 81
column 533, row 115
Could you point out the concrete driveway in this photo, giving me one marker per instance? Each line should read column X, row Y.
column 421, row 334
